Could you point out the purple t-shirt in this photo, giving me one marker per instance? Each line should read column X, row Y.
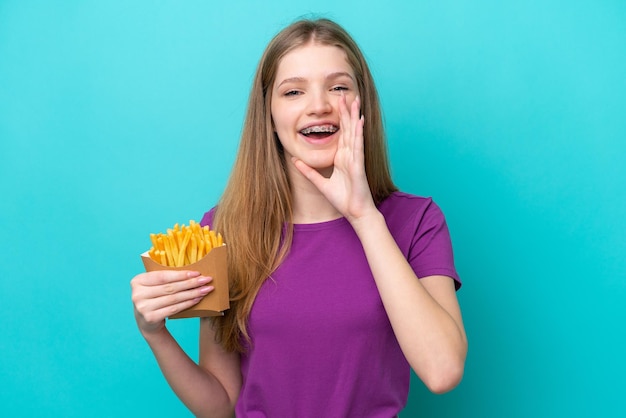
column 322, row 345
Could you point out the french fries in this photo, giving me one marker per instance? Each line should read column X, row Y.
column 183, row 244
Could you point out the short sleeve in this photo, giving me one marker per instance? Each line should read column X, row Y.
column 207, row 219
column 430, row 252
column 421, row 232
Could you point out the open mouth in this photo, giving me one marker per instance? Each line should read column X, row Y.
column 319, row 131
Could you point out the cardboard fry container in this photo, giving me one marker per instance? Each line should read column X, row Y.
column 214, row 265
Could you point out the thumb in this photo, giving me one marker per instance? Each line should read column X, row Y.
column 310, row 173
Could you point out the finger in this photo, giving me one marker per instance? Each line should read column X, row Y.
column 356, row 123
column 159, row 315
column 163, row 302
column 355, row 108
column 146, row 306
column 171, row 288
column 345, row 125
column 359, row 140
column 159, row 277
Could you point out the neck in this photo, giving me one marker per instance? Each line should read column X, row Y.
column 309, row 204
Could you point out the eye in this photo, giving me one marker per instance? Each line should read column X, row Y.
column 292, row 93
column 340, row 88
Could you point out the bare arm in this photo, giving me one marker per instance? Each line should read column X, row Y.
column 424, row 314
column 208, row 389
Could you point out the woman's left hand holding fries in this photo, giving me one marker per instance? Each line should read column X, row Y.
column 159, row 294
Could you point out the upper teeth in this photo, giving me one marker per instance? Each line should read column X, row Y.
column 319, row 128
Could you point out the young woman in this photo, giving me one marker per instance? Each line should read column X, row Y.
column 339, row 283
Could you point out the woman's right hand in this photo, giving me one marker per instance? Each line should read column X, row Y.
column 159, row 294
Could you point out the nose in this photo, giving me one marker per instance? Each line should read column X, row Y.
column 319, row 103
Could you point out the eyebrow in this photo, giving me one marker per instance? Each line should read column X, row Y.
column 330, row 76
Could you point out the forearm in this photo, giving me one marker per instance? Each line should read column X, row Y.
column 431, row 337
column 196, row 387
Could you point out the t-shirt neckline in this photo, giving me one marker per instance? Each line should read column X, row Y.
column 320, row 225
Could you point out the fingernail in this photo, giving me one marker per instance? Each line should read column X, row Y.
column 203, row 280
column 206, row 289
column 193, row 274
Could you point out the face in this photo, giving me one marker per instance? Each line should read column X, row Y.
column 310, row 81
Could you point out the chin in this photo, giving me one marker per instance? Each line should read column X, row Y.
column 321, row 161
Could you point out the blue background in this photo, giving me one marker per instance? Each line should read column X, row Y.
column 121, row 118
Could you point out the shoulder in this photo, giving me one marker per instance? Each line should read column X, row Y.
column 403, row 207
column 207, row 218
column 421, row 232
column 410, row 218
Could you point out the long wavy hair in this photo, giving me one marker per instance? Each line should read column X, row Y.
column 254, row 213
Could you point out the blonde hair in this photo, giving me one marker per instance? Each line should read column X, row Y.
column 255, row 212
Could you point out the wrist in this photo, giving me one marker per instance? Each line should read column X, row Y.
column 368, row 223
column 154, row 336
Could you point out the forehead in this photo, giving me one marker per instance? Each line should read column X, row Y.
column 313, row 60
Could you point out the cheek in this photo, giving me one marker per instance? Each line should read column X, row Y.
column 282, row 119
column 275, row 115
